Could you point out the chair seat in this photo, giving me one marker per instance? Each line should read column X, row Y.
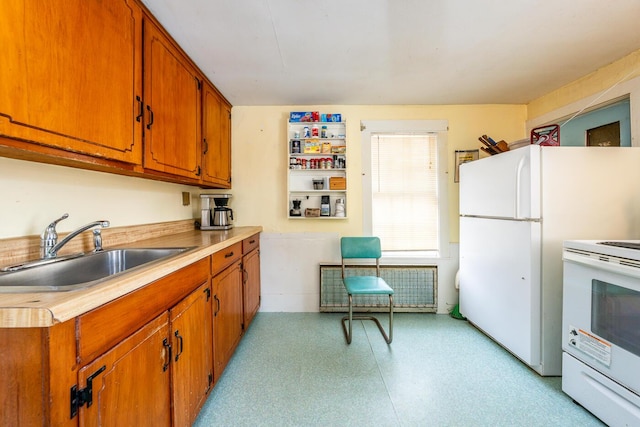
column 357, row 285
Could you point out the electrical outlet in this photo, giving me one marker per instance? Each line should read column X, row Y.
column 186, row 198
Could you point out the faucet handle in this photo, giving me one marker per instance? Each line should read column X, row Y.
column 50, row 231
column 97, row 240
column 52, row 226
column 49, row 236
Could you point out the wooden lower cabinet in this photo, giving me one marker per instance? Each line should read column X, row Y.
column 227, row 315
column 165, row 364
column 251, row 278
column 192, row 364
column 149, row 358
column 130, row 384
column 37, row 367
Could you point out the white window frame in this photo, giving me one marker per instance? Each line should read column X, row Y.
column 440, row 127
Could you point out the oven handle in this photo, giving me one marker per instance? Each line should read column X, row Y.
column 602, row 265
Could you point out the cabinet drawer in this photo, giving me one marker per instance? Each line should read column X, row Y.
column 250, row 243
column 102, row 328
column 224, row 258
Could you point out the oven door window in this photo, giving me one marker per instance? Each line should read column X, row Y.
column 615, row 315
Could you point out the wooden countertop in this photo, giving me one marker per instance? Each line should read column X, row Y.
column 43, row 309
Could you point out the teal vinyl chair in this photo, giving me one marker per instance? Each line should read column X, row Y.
column 364, row 248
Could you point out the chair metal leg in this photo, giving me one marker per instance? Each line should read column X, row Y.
column 349, row 333
column 390, row 319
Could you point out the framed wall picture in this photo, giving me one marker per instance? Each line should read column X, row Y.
column 604, row 136
column 464, row 156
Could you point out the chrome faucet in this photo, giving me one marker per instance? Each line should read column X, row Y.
column 49, row 245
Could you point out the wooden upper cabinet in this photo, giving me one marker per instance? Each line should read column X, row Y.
column 71, row 76
column 172, row 96
column 216, row 134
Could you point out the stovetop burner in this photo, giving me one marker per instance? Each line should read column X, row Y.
column 628, row 245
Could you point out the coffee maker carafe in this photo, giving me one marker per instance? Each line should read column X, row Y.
column 218, row 217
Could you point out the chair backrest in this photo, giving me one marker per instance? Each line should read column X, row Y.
column 361, row 247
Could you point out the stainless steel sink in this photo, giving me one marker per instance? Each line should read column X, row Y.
column 83, row 271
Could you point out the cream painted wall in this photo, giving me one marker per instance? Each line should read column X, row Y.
column 600, row 80
column 260, row 158
column 34, row 194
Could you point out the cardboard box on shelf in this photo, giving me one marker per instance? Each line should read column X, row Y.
column 311, row 146
column 337, row 183
column 312, row 212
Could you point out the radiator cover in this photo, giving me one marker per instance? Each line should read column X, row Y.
column 415, row 288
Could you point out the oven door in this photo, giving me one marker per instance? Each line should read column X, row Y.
column 601, row 315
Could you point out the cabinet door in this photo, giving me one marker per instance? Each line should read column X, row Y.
column 251, row 285
column 172, row 107
column 192, row 369
column 227, row 315
column 72, row 76
column 216, row 129
column 134, row 387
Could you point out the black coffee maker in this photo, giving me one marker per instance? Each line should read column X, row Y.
column 296, row 211
column 219, row 217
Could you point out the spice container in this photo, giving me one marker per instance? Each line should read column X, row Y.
column 318, row 184
column 339, row 208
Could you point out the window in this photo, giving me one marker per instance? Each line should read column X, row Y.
column 404, row 185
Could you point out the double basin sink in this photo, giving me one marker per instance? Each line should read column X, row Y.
column 80, row 271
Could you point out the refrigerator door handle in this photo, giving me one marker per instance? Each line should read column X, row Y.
column 518, row 198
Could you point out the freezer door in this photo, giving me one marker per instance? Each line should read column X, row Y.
column 505, row 185
column 500, row 286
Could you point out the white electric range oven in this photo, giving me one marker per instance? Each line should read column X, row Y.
column 601, row 328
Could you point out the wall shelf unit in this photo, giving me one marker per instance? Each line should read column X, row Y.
column 317, row 173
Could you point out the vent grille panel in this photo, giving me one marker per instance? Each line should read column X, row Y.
column 415, row 288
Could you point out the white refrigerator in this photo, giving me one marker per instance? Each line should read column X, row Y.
column 516, row 209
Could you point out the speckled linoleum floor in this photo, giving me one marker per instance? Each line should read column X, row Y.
column 295, row 369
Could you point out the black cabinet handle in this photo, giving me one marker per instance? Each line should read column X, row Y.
column 206, row 146
column 165, row 344
column 140, row 109
column 180, row 348
column 150, row 117
column 215, row 297
column 229, row 255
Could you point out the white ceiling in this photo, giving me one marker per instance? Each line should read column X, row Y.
column 369, row 52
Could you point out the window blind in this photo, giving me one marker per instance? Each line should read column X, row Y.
column 404, row 174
